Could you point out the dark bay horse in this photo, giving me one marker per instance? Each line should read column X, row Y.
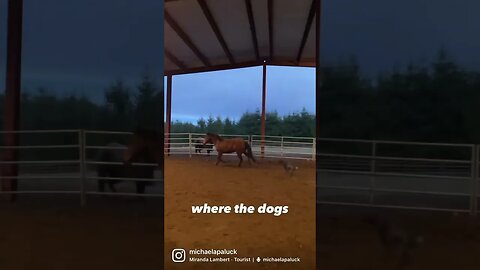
column 146, row 146
column 145, row 143
column 116, row 155
column 235, row 145
column 140, row 150
column 110, row 170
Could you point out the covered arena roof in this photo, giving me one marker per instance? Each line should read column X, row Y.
column 208, row 35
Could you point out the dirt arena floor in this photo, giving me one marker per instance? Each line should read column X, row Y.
column 197, row 181
column 56, row 233
column 346, row 242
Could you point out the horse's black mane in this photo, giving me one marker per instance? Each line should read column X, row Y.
column 215, row 135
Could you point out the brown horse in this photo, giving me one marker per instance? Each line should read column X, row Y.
column 146, row 146
column 237, row 145
column 145, row 142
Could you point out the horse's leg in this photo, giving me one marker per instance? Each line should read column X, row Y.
column 241, row 159
column 219, row 158
column 244, row 152
column 101, row 185
column 101, row 182
column 111, row 184
column 116, row 171
column 140, row 187
column 147, row 173
column 248, row 158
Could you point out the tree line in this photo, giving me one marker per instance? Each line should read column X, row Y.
column 300, row 124
column 125, row 108
column 432, row 103
column 437, row 102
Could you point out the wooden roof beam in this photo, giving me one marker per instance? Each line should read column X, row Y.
column 253, row 30
column 214, row 68
column 270, row 29
column 216, row 30
column 306, row 32
column 175, row 60
column 186, row 39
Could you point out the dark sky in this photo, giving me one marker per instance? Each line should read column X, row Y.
column 382, row 33
column 3, row 22
column 83, row 45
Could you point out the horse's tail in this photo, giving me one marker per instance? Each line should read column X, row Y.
column 248, row 151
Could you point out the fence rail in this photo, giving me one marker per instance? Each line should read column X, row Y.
column 406, row 175
column 269, row 146
column 75, row 177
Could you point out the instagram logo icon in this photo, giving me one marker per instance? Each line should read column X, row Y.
column 178, row 255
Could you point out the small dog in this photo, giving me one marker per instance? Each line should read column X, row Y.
column 289, row 167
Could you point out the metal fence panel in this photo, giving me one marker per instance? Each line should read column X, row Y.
column 409, row 175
